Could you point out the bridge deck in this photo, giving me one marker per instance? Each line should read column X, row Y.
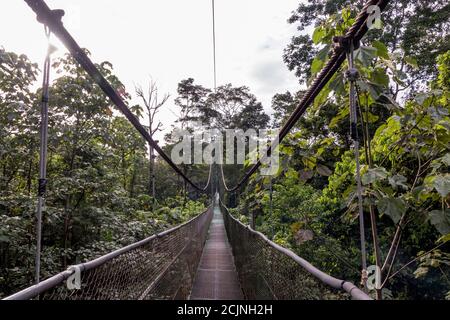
column 216, row 277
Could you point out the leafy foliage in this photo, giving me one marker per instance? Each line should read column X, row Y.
column 97, row 198
column 404, row 128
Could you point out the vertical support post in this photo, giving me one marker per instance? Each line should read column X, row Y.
column 270, row 197
column 214, row 42
column 372, row 214
column 213, row 8
column 42, row 186
column 271, row 203
column 212, row 182
column 352, row 75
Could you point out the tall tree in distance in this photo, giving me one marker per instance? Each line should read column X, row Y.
column 152, row 104
column 237, row 107
column 192, row 101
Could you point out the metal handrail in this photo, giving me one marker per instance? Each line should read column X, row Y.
column 35, row 290
column 335, row 283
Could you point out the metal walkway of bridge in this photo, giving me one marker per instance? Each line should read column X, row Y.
column 216, row 277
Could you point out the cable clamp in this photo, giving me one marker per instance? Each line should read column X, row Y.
column 48, row 19
column 343, row 43
column 42, row 187
column 74, row 280
column 352, row 74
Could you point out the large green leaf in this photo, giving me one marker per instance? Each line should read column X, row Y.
column 346, row 15
column 382, row 50
column 392, row 207
column 324, row 170
column 380, row 77
column 316, row 65
column 412, row 62
column 340, row 116
column 305, row 175
column 375, row 90
column 4, row 238
column 373, row 175
column 323, row 53
column 337, row 84
column 441, row 220
column 446, row 159
column 318, row 34
column 398, row 181
column 291, row 174
column 366, row 54
column 442, row 184
column 422, row 97
column 388, row 101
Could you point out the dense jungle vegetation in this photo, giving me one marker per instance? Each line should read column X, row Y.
column 404, row 122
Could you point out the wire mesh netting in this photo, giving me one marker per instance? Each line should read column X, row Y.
column 160, row 267
column 267, row 272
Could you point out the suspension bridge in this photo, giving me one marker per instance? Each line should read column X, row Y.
column 214, row 255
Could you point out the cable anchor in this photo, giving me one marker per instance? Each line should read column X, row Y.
column 352, row 74
column 54, row 16
column 344, row 44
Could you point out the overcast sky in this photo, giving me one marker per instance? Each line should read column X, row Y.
column 169, row 40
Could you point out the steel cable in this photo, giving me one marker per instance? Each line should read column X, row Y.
column 52, row 18
column 354, row 34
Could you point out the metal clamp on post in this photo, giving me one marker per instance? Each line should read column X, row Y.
column 352, row 75
column 55, row 16
column 344, row 44
column 74, row 280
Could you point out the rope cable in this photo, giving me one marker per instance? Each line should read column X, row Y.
column 52, row 18
column 223, row 179
column 214, row 43
column 354, row 34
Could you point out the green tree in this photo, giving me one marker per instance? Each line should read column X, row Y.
column 416, row 32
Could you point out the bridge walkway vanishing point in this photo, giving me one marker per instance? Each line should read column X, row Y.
column 174, row 264
column 216, row 277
